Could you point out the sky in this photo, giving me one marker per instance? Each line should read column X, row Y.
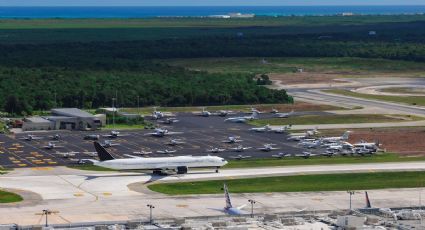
column 204, row 2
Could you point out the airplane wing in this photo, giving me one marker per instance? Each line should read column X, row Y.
column 173, row 133
column 131, row 156
column 242, row 206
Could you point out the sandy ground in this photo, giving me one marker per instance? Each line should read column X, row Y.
column 406, row 141
column 377, row 90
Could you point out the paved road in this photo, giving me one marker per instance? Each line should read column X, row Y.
column 93, row 196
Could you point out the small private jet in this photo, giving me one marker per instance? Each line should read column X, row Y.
column 240, row 148
column 166, row 151
column 52, row 145
column 243, row 119
column 162, row 132
column 232, row 140
column 268, row 148
column 174, row 142
column 30, row 137
column 114, row 134
column 281, row 155
column 263, row 129
column 216, row 150
column 109, row 144
column 283, row 115
column 240, row 157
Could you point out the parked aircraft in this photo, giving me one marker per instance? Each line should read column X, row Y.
column 109, row 143
column 344, row 137
column 215, row 150
column 240, row 157
column 203, row 113
column 374, row 146
column 157, row 114
column 66, row 154
column 162, row 132
column 268, row 148
column 166, row 151
column 284, row 115
column 265, row 128
column 92, row 137
column 305, row 136
column 142, row 152
column 274, row 111
column 240, row 148
column 231, row 140
column 283, row 129
column 281, row 155
column 115, row 134
column 243, row 119
column 310, row 144
column 306, row 155
column 168, row 121
column 174, row 142
column 179, row 164
column 56, row 137
column 31, row 137
column 52, row 145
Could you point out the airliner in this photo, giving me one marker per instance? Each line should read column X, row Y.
column 160, row 165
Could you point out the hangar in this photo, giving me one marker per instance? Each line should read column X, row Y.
column 64, row 118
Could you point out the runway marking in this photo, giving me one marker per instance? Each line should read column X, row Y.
column 16, row 162
column 317, row 199
column 22, row 165
column 107, row 194
column 182, row 206
column 13, row 148
column 78, row 194
column 52, row 162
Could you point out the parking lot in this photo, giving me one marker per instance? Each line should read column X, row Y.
column 199, row 134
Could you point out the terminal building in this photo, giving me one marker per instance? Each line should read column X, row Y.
column 65, row 119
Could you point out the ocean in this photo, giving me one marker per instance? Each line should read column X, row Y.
column 193, row 11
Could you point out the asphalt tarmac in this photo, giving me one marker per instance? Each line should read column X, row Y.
column 198, row 133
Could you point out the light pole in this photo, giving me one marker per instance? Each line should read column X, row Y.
column 252, row 207
column 46, row 212
column 150, row 213
column 113, row 112
column 138, row 105
column 351, row 194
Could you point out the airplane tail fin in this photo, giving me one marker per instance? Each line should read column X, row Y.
column 368, row 205
column 227, row 197
column 102, row 153
column 346, row 135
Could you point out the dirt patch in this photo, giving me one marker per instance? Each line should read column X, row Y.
column 405, row 141
column 304, row 78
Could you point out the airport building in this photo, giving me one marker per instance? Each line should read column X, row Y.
column 65, row 119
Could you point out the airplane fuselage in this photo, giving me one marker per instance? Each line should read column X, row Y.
column 171, row 163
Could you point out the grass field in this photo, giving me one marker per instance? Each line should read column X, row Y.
column 8, row 197
column 288, row 65
column 293, row 161
column 411, row 100
column 91, row 168
column 334, row 119
column 305, row 183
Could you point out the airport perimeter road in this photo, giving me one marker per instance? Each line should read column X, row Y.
column 99, row 196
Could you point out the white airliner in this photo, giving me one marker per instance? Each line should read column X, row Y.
column 243, row 119
column 179, row 164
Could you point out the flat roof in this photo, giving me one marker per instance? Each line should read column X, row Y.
column 36, row 120
column 72, row 112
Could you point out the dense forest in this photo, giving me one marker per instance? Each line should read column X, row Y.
column 89, row 74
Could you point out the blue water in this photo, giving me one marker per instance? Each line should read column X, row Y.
column 147, row 12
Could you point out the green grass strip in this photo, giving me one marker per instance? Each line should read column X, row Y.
column 304, row 183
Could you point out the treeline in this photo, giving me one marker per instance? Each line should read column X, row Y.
column 23, row 90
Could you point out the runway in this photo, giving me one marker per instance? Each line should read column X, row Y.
column 81, row 196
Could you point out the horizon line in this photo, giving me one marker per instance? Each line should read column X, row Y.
column 209, row 5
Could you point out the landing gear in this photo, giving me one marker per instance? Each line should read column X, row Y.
column 216, row 170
